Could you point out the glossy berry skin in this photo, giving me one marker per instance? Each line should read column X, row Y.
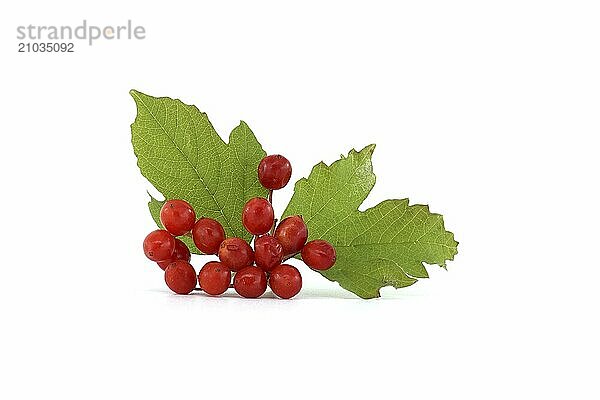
column 258, row 216
column 180, row 277
column 319, row 254
column 268, row 252
column 250, row 282
column 214, row 278
column 177, row 216
column 236, row 253
column 274, row 172
column 159, row 245
column 292, row 234
column 208, row 235
column 181, row 252
column 285, row 281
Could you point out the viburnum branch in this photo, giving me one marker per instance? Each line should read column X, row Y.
column 389, row 244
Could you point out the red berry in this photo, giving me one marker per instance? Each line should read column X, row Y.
column 258, row 216
column 159, row 245
column 177, row 216
column 285, row 281
column 274, row 172
column 214, row 278
column 292, row 234
column 236, row 253
column 268, row 252
column 208, row 235
column 318, row 254
column 180, row 277
column 181, row 253
column 250, row 282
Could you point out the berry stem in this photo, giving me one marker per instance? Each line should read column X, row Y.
column 199, row 289
column 290, row 256
column 270, row 198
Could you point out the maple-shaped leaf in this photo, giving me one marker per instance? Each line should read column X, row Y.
column 385, row 245
column 182, row 155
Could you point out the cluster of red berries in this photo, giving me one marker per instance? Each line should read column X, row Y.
column 252, row 269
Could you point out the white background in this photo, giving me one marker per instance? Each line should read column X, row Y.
column 486, row 111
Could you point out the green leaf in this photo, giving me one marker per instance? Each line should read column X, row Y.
column 385, row 245
column 181, row 154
